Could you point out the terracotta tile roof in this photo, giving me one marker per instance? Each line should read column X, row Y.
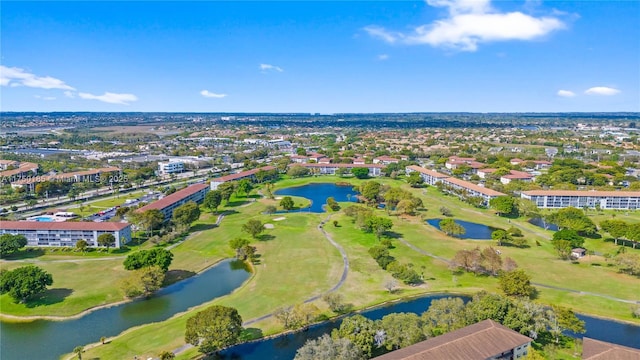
column 173, row 198
column 64, row 225
column 242, row 174
column 482, row 340
column 472, row 186
column 24, row 167
column 514, row 174
column 422, row 170
column 386, row 158
column 581, row 193
column 600, row 350
column 380, row 166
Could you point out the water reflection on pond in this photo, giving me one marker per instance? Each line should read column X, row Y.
column 318, row 194
column 473, row 231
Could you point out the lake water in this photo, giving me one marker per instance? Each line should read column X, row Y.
column 318, row 194
column 473, row 231
column 285, row 346
column 539, row 222
column 43, row 339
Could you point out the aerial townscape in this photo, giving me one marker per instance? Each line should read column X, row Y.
column 292, row 215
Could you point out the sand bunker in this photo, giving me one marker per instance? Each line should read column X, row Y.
column 279, row 218
column 268, row 226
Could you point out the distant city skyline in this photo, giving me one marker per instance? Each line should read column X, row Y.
column 321, row 57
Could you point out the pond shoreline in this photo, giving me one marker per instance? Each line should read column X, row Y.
column 8, row 318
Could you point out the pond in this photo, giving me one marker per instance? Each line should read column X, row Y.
column 473, row 231
column 44, row 339
column 540, row 222
column 285, row 346
column 318, row 194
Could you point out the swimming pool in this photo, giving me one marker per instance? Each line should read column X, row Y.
column 42, row 218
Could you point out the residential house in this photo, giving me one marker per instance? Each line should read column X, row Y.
column 486, row 340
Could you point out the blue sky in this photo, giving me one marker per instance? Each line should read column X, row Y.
column 326, row 57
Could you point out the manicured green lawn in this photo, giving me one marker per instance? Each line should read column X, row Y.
column 297, row 262
column 293, row 243
column 77, row 285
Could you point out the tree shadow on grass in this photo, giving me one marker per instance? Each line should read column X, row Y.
column 251, row 334
column 28, row 253
column 173, row 276
column 49, row 297
column 392, row 234
column 265, row 237
column 236, row 203
column 203, row 227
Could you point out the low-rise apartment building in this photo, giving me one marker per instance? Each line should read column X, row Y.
column 430, row 177
column 557, row 199
column 469, row 189
column 249, row 174
column 16, row 170
column 333, row 169
column 167, row 204
column 170, row 167
column 66, row 233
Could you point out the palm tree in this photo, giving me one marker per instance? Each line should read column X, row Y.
column 78, row 350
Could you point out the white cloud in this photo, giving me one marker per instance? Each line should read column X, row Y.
column 44, row 97
column 383, row 57
column 13, row 76
column 382, row 34
column 471, row 22
column 269, row 67
column 111, row 98
column 602, row 90
column 69, row 94
column 566, row 93
column 208, row 94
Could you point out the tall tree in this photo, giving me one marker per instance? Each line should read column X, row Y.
column 143, row 281
column 504, row 205
column 244, row 186
column 359, row 330
column 402, row 330
column 150, row 220
column 146, row 258
column 451, row 228
column 516, row 283
column 186, row 214
column 371, row 191
column 10, row 243
column 81, row 245
column 253, row 227
column 501, row 236
column 377, row 225
column 326, row 347
column 106, row 240
column 24, row 282
column 287, row 203
column 414, row 179
column 360, row 172
column 227, row 189
column 212, row 200
column 214, row 328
